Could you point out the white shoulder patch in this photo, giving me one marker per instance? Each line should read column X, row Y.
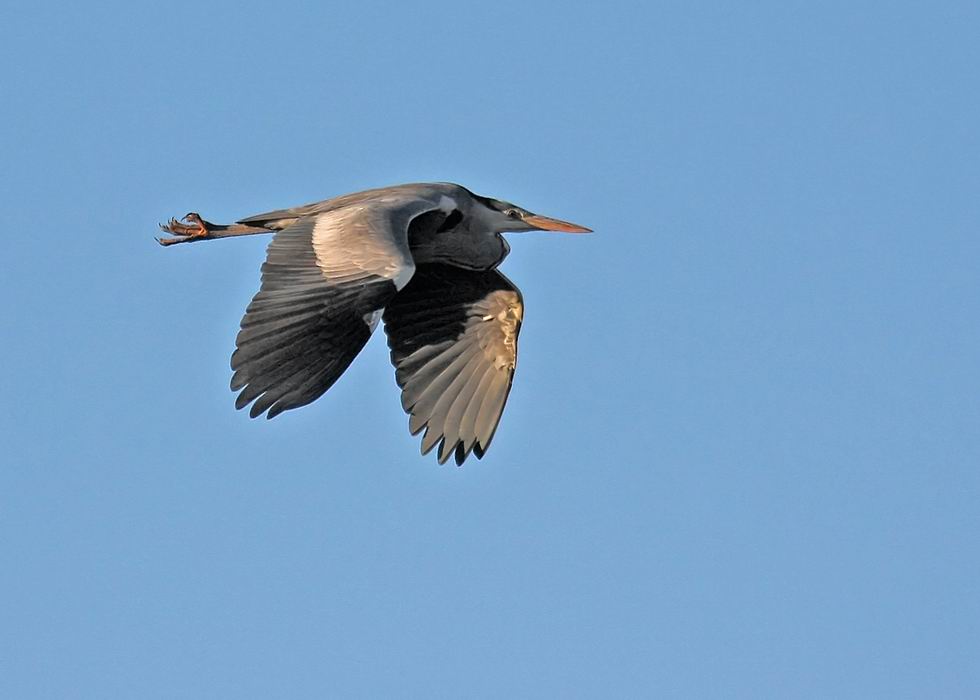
column 371, row 319
column 446, row 204
column 403, row 276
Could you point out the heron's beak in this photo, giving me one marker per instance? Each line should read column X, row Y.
column 546, row 224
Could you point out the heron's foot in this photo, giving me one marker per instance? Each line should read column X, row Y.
column 195, row 229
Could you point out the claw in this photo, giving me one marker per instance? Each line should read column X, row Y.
column 195, row 228
column 198, row 229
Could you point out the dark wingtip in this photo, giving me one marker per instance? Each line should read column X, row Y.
column 442, row 455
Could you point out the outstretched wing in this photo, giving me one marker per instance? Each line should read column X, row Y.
column 453, row 339
column 325, row 279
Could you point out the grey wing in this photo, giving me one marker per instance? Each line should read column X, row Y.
column 280, row 218
column 453, row 339
column 325, row 279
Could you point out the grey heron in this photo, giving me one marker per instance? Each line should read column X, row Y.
column 423, row 258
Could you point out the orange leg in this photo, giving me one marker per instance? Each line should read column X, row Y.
column 197, row 229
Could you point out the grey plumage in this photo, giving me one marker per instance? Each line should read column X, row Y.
column 453, row 339
column 422, row 255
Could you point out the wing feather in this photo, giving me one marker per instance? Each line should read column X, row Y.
column 453, row 340
column 326, row 272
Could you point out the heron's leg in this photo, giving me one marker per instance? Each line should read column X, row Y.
column 197, row 229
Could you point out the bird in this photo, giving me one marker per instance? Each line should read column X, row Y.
column 420, row 257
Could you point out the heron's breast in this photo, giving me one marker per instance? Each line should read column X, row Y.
column 460, row 248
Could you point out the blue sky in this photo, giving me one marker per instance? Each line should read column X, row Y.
column 741, row 454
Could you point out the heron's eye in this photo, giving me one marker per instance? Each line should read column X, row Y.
column 512, row 213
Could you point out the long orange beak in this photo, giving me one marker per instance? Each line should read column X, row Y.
column 546, row 224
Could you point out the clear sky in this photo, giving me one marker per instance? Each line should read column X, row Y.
column 742, row 453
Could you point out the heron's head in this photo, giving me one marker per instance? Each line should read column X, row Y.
column 503, row 216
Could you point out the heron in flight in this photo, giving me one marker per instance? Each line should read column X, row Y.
column 423, row 258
